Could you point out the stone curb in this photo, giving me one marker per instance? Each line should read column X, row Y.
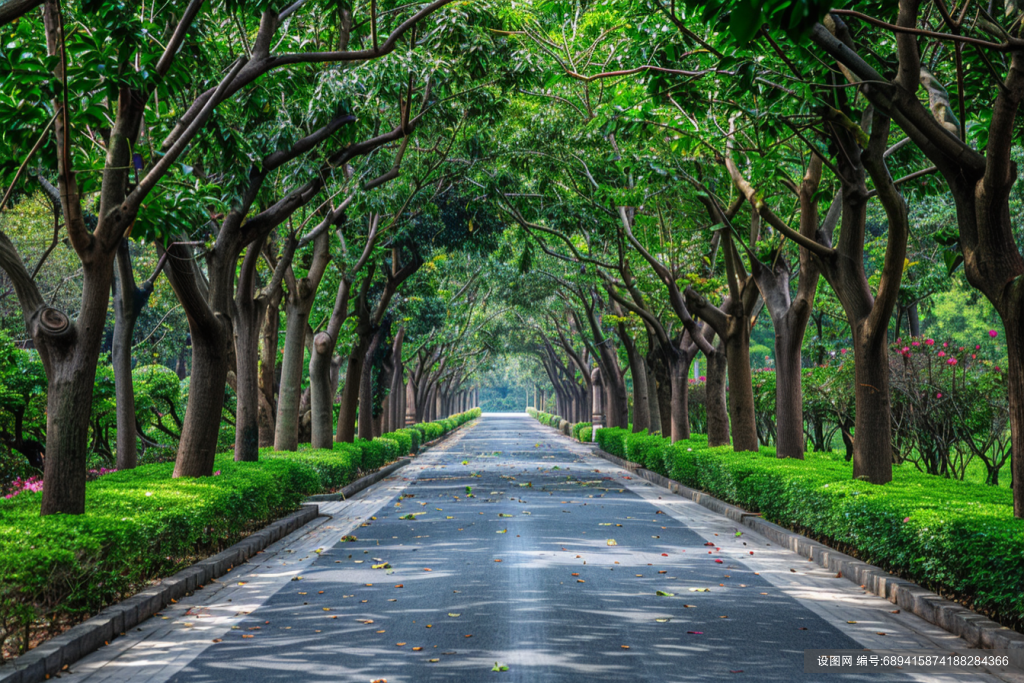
column 362, row 483
column 46, row 660
column 976, row 629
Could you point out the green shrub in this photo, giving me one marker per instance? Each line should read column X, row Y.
column 945, row 534
column 375, row 454
column 402, row 438
column 415, row 438
column 648, row 450
column 579, row 428
column 610, row 440
column 139, row 524
column 335, row 468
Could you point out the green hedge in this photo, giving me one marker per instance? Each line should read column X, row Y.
column 141, row 524
column 581, row 431
column 948, row 535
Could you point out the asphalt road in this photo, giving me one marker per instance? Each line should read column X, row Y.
column 551, row 567
column 510, row 544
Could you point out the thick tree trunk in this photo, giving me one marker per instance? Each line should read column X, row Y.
column 198, row 444
column 714, row 398
column 128, row 303
column 366, row 418
column 653, row 399
column 286, row 437
column 872, row 438
column 679, row 414
column 346, row 432
column 248, row 319
column 1013, row 325
column 269, row 331
column 662, row 386
column 321, row 393
column 789, row 410
column 638, row 371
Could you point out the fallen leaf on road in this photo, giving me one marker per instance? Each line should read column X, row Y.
column 624, row 647
column 499, row 667
column 702, row 590
column 217, row 640
column 433, row 661
column 417, row 649
column 696, row 633
column 666, row 595
column 453, row 614
column 611, row 541
column 661, row 621
column 399, row 644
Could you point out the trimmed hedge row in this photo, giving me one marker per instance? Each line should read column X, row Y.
column 575, row 430
column 544, row 418
column 582, row 431
column 141, row 524
column 950, row 536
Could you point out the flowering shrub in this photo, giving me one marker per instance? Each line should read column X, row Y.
column 35, row 483
column 949, row 406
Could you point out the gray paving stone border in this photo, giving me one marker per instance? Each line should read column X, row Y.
column 51, row 656
column 978, row 630
column 360, row 484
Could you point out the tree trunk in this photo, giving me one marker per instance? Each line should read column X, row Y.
column 366, row 418
column 350, row 393
column 653, row 399
column 1013, row 325
column 269, row 331
column 129, row 301
column 286, row 437
column 638, row 371
column 789, row 410
column 662, row 386
column 714, row 401
column 679, row 416
column 198, row 444
column 741, row 388
column 872, row 438
column 248, row 319
column 321, row 393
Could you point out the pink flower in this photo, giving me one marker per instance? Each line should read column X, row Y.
column 915, row 343
column 961, row 348
column 899, row 340
column 938, row 395
column 945, row 344
column 951, row 361
column 977, row 347
column 842, row 350
column 973, row 356
column 217, row 473
column 929, row 342
column 942, row 354
column 997, row 368
column 905, row 350
column 993, row 334
column 906, row 519
column 703, row 378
